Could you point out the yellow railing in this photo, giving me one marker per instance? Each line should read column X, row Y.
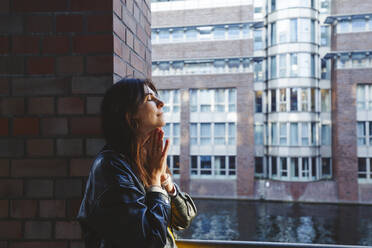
column 244, row 244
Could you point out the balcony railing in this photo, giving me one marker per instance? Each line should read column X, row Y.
column 245, row 244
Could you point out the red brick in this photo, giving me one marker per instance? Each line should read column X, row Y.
column 68, row 230
column 38, row 189
column 80, row 167
column 129, row 39
column 4, row 207
column 23, row 208
column 40, row 65
column 137, row 63
column 73, row 208
column 77, row 244
column 69, row 23
column 54, row 126
column 70, row 65
column 11, row 188
column 4, row 86
column 52, row 208
column 99, row 23
column 12, row 65
column 39, row 24
column 126, row 53
column 69, row 188
column 38, row 244
column 26, row 126
column 69, row 147
column 10, row 229
column 120, row 67
column 38, row 230
column 119, row 28
column 4, row 6
column 141, row 34
column 26, row 44
column 99, row 64
column 40, row 5
column 56, row 45
column 4, row 127
column 12, row 106
column 99, row 43
column 41, row 86
column 39, row 167
column 4, row 167
column 118, row 48
column 94, row 105
column 129, row 5
column 139, row 48
column 41, row 105
column 71, row 105
column 40, row 147
column 4, row 45
column 129, row 20
column 84, row 5
column 117, row 6
column 85, row 125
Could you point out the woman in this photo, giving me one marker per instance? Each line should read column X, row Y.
column 130, row 199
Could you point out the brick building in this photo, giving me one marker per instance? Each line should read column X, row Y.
column 267, row 99
column 57, row 58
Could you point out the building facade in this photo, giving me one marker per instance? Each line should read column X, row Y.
column 267, row 99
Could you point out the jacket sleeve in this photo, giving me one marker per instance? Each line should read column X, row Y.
column 183, row 210
column 127, row 217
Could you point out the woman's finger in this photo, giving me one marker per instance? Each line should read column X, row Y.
column 166, row 148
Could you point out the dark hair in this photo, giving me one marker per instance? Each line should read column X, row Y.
column 119, row 104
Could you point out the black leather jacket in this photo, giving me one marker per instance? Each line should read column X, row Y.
column 116, row 210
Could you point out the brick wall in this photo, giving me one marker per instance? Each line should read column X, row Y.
column 57, row 57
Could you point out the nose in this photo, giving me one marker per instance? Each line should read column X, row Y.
column 159, row 103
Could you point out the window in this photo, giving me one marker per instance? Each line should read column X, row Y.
column 273, row 100
column 293, row 30
column 312, row 31
column 258, row 134
column 154, row 36
column 343, row 26
column 219, row 33
column 173, row 162
column 205, row 100
column 294, row 65
column 232, row 100
column 324, row 6
column 205, row 165
column 164, row 35
column 219, row 100
column 304, row 100
column 205, row 33
column 361, row 133
column 312, row 65
column 193, row 100
column 342, row 61
column 359, row 60
column 274, row 169
column 358, row 25
column 258, row 167
column 326, row 100
column 205, row 133
column 234, row 32
column 313, row 133
column 294, row 134
column 314, row 167
column 283, row 133
column 312, row 94
column 326, row 167
column 258, row 102
column 258, row 71
column 213, row 165
column 273, row 5
column 283, row 167
column 219, row 134
column 324, row 36
column 370, row 132
column 325, row 70
column 257, row 40
column 231, row 133
column 305, row 168
column 361, row 97
column 274, row 133
column 283, row 100
column 283, row 30
column 305, row 134
column 178, row 34
column 171, row 99
column 273, row 33
column 176, row 134
column 193, row 133
column 326, row 134
column 362, row 168
column 295, row 170
column 282, row 65
column 191, row 34
column 294, row 101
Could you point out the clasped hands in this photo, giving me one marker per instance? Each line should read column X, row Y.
column 156, row 159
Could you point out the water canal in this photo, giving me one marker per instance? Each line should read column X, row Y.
column 281, row 222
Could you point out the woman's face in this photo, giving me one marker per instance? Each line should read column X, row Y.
column 150, row 114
